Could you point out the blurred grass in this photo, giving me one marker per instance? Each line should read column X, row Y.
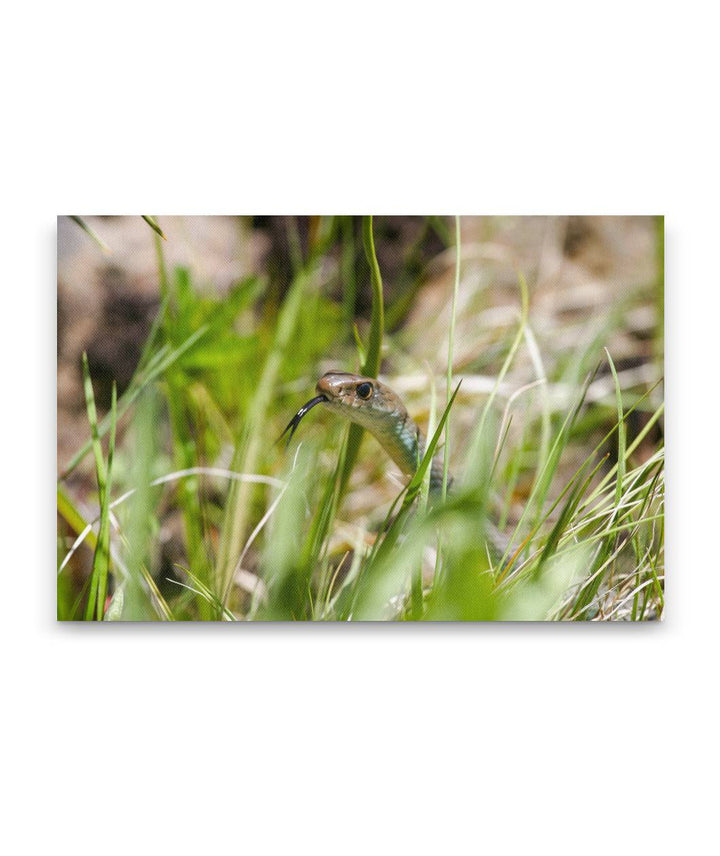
column 95, row 606
column 581, row 521
column 370, row 365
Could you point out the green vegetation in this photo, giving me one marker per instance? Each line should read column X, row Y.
column 561, row 452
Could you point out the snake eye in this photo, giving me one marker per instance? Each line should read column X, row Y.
column 364, row 390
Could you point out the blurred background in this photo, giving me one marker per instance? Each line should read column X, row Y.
column 594, row 283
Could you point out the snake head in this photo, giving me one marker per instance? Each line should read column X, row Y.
column 364, row 400
column 372, row 405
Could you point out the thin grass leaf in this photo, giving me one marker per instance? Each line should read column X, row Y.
column 154, row 225
column 564, row 520
column 204, row 592
column 631, row 448
column 542, row 484
column 451, row 351
column 362, row 356
column 91, row 232
column 101, row 558
column 416, row 481
column 70, row 513
column 371, row 365
column 416, row 583
column 474, row 466
column 545, row 416
column 621, row 432
column 348, row 277
column 314, row 549
column 103, row 579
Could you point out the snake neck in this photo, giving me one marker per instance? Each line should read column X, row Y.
column 383, row 414
column 405, row 443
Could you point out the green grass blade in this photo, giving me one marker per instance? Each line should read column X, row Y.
column 101, row 558
column 564, row 519
column 630, row 449
column 91, row 232
column 105, row 512
column 347, row 268
column 542, row 483
column 621, row 432
column 416, row 481
column 475, row 463
column 70, row 513
column 371, row 366
column 205, row 593
column 451, row 351
column 153, row 224
column 142, row 600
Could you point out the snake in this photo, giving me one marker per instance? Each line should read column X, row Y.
column 368, row 402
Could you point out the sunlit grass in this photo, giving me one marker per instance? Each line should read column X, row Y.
column 269, row 534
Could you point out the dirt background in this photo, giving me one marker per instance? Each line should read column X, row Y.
column 577, row 268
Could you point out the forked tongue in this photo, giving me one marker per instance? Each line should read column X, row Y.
column 295, row 421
